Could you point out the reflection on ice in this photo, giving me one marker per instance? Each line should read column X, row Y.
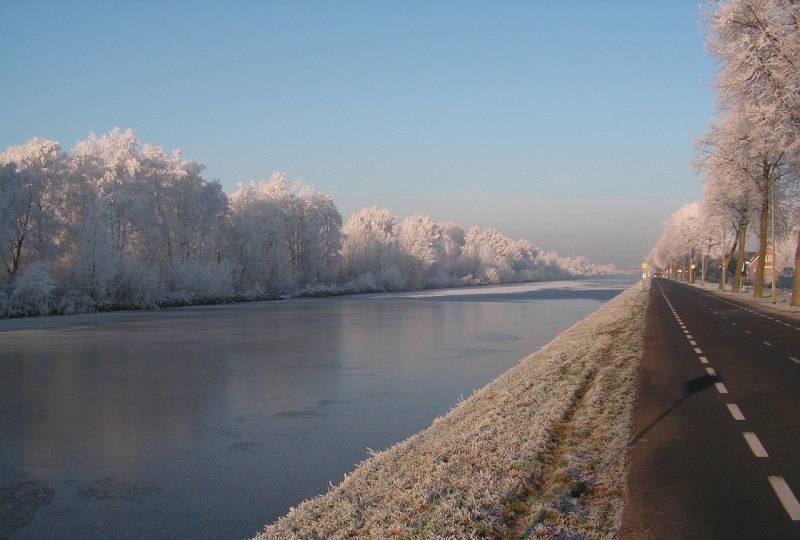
column 212, row 421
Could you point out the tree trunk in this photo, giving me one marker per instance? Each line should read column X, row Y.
column 22, row 233
column 737, row 274
column 766, row 174
column 726, row 261
column 763, row 223
column 796, row 278
column 703, row 271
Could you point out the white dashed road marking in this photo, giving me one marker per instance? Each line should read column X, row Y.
column 755, row 445
column 735, row 412
column 779, row 485
column 787, row 498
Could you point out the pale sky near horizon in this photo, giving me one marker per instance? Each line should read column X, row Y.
column 568, row 123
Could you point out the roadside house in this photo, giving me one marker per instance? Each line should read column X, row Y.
column 752, row 266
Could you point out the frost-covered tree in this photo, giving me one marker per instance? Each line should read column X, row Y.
column 730, row 190
column 491, row 257
column 370, row 247
column 141, row 224
column 453, row 239
column 484, row 255
column 259, row 224
column 187, row 214
column 31, row 182
column 314, row 235
column 286, row 236
column 420, row 242
column 757, row 44
column 681, row 242
column 330, row 237
column 115, row 222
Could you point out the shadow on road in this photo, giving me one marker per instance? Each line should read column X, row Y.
column 690, row 387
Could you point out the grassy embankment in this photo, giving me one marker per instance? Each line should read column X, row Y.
column 538, row 453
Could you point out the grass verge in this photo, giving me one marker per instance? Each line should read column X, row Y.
column 540, row 452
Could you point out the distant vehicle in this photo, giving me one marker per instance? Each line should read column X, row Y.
column 658, row 273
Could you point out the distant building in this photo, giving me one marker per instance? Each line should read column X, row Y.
column 769, row 266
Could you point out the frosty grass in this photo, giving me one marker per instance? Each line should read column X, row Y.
column 538, row 452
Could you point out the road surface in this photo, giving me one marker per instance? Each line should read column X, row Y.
column 716, row 448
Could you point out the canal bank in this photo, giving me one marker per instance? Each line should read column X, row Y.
column 539, row 451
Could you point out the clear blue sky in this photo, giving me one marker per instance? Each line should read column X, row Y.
column 569, row 123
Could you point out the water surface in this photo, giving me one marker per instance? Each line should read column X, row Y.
column 210, row 422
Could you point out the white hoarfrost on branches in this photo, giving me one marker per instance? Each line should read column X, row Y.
column 750, row 155
column 119, row 224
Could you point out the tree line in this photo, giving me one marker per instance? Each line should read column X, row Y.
column 750, row 156
column 119, row 224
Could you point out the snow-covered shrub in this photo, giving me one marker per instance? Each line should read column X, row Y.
column 33, row 291
column 322, row 289
column 494, row 276
column 136, row 285
column 254, row 291
column 391, row 279
column 75, row 302
column 439, row 278
column 4, row 304
column 363, row 283
column 198, row 279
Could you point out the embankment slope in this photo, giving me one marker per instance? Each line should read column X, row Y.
column 538, row 452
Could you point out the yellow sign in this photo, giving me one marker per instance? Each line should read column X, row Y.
column 644, row 266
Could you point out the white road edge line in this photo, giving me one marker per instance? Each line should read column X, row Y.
column 795, row 360
column 755, row 445
column 735, row 412
column 767, row 343
column 785, row 495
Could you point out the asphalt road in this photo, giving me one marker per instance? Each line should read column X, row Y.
column 716, row 448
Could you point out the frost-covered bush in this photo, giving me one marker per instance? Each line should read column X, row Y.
column 363, row 283
column 198, row 279
column 137, row 285
column 33, row 291
column 75, row 302
column 4, row 304
column 256, row 290
column 391, row 279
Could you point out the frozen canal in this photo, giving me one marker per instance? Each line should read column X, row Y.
column 210, row 422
